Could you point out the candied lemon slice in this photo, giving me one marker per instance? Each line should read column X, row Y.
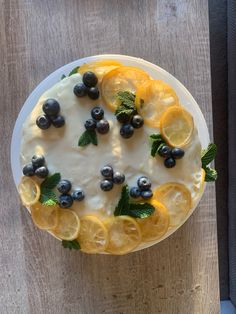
column 100, row 68
column 152, row 99
column 44, row 217
column 29, row 191
column 68, row 225
column 176, row 198
column 124, row 78
column 93, row 236
column 198, row 185
column 123, row 233
column 156, row 225
column 176, row 126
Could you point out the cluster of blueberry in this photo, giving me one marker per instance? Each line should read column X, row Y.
column 143, row 189
column 129, row 124
column 97, row 122
column 110, row 178
column 66, row 199
column 170, row 155
column 36, row 167
column 51, row 109
column 88, row 86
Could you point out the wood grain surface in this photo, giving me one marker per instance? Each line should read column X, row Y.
column 177, row 276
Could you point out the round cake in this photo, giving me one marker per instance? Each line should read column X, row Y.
column 111, row 158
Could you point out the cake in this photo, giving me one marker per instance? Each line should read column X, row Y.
column 112, row 161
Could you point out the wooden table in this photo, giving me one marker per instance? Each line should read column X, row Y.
column 178, row 276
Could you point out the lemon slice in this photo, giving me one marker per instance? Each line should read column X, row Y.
column 100, row 68
column 176, row 126
column 68, row 225
column 93, row 236
column 156, row 225
column 198, row 185
column 176, row 198
column 124, row 78
column 152, row 99
column 44, row 217
column 123, row 233
column 29, row 191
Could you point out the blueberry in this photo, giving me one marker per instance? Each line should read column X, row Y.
column 103, row 126
column 123, row 117
column 106, row 185
column 137, row 121
column 144, row 183
column 135, row 192
column 97, row 113
column 64, row 186
column 164, row 151
column 58, row 121
column 93, row 93
column 90, row 79
column 127, row 130
column 80, row 90
column 51, row 107
column 78, row 195
column 118, row 178
column 28, row 170
column 177, row 153
column 65, row 200
column 43, row 122
column 146, row 194
column 90, row 124
column 38, row 161
column 107, row 171
column 169, row 162
column 42, row 172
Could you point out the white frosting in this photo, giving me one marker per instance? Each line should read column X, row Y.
column 82, row 165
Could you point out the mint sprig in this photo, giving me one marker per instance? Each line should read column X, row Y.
column 207, row 156
column 126, row 107
column 136, row 210
column 74, row 244
column 157, row 142
column 74, row 71
column 47, row 195
column 88, row 137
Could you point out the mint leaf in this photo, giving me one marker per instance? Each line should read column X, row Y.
column 74, row 71
column 140, row 210
column 63, row 76
column 208, row 155
column 126, row 98
column 89, row 136
column 74, row 244
column 51, row 182
column 157, row 143
column 211, row 174
column 48, row 197
column 126, row 107
column 123, row 204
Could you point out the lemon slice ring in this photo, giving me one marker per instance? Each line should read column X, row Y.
column 124, row 234
column 176, row 126
column 125, row 78
column 29, row 191
column 153, row 98
column 44, row 217
column 176, row 198
column 93, row 236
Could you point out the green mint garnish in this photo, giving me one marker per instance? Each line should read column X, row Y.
column 89, row 136
column 71, row 244
column 126, row 106
column 47, row 195
column 208, row 155
column 136, row 210
column 63, row 76
column 157, row 143
column 74, row 71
